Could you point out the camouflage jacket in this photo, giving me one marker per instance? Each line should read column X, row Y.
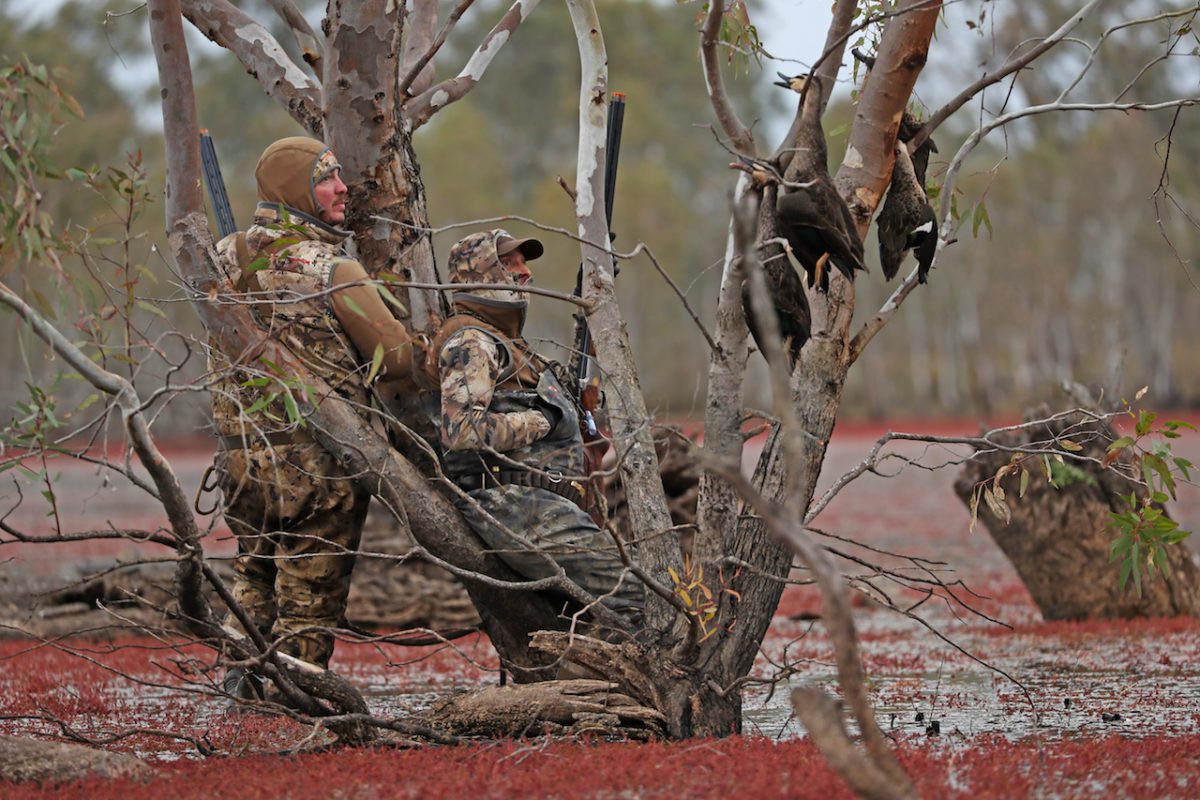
column 287, row 264
column 498, row 395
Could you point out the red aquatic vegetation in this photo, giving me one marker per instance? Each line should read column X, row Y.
column 738, row 766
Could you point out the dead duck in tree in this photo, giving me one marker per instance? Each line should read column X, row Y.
column 812, row 216
column 812, row 219
column 787, row 292
column 906, row 221
column 909, row 127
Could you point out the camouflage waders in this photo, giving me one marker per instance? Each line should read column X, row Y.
column 512, row 440
column 298, row 523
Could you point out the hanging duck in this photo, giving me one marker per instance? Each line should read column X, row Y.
column 784, row 285
column 812, row 216
column 906, row 222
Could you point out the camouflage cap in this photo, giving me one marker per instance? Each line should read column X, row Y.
column 288, row 170
column 474, row 259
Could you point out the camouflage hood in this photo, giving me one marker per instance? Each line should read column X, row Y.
column 474, row 260
column 288, row 170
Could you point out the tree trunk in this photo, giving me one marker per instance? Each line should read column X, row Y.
column 1058, row 538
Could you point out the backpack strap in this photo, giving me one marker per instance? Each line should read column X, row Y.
column 247, row 280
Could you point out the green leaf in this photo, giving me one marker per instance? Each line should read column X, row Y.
column 376, row 362
column 1119, row 547
column 293, row 410
column 259, row 404
column 1124, row 441
column 153, row 309
column 980, row 217
column 1145, row 421
column 9, row 164
column 1164, row 473
column 1175, row 537
column 1184, row 465
column 1123, row 577
column 392, row 299
column 1067, row 444
column 1024, row 482
column 1135, row 562
column 353, row 306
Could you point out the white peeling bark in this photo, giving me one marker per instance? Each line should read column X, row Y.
column 627, row 408
column 442, row 94
column 262, row 56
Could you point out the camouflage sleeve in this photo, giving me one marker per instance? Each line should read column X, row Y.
column 469, row 365
column 227, row 261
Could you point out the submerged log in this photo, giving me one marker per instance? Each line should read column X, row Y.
column 23, row 759
column 1058, row 538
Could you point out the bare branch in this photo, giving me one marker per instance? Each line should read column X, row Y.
column 627, row 407
column 739, row 135
column 716, row 507
column 981, row 132
column 261, row 55
column 415, row 76
column 442, row 94
column 839, row 623
column 311, row 49
column 1012, row 65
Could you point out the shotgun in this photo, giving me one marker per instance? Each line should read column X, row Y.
column 216, row 185
column 586, row 376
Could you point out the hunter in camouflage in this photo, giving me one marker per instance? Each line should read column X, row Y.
column 297, row 515
column 510, row 430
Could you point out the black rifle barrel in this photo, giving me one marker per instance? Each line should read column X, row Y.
column 216, row 186
column 612, row 151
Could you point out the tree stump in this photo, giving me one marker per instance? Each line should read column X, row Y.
column 1058, row 538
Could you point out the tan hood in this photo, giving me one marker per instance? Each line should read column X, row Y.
column 288, row 170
